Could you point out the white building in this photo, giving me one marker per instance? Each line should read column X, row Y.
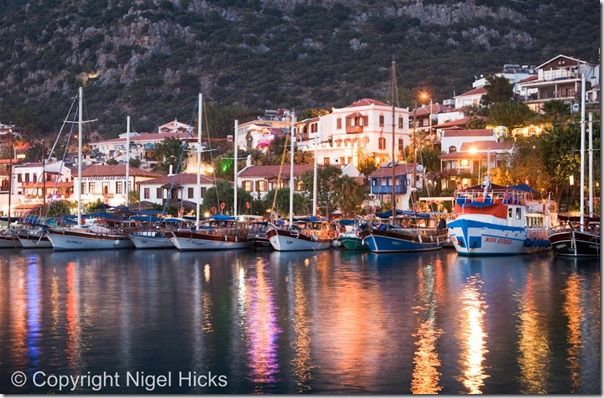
column 559, row 79
column 175, row 187
column 259, row 180
column 358, row 131
column 470, row 98
column 108, row 183
column 452, row 140
column 512, row 72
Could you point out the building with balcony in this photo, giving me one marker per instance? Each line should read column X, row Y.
column 558, row 79
column 259, row 134
column 359, row 131
column 380, row 183
column 467, row 165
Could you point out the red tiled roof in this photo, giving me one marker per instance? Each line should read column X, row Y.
column 468, row 133
column 529, row 79
column 386, row 171
column 453, row 123
column 272, row 171
column 114, row 170
column 365, row 102
column 474, row 91
column 181, row 179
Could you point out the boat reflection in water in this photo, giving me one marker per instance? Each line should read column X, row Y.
column 320, row 322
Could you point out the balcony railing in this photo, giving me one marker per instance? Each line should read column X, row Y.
column 354, row 129
column 385, row 189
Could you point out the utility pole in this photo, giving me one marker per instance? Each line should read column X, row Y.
column 10, row 171
column 393, row 164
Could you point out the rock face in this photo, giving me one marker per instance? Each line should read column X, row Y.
column 153, row 56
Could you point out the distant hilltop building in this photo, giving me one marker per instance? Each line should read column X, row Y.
column 259, row 134
column 513, row 72
column 559, row 79
column 174, row 127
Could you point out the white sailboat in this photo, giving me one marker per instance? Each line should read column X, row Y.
column 82, row 237
column 309, row 234
column 221, row 233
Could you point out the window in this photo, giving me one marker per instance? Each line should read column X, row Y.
column 119, row 187
column 83, row 187
column 91, row 186
column 299, row 185
column 159, row 193
column 465, row 162
column 105, row 188
column 19, row 177
column 452, row 149
column 26, row 177
column 518, row 213
column 400, row 122
column 349, row 161
column 202, row 191
column 35, row 177
column 382, row 143
column 365, row 120
column 381, row 120
column 261, row 186
column 147, row 193
column 509, row 212
column 191, row 192
column 400, row 144
column 339, row 123
column 326, row 161
column 342, row 160
column 248, row 186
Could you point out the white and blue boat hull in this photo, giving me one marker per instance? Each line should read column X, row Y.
column 476, row 238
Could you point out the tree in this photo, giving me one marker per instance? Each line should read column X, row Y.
column 349, row 195
column 223, row 192
column 429, row 157
column 136, row 163
column 170, row 152
column 301, row 204
column 510, row 114
column 556, row 111
column 111, row 162
column 499, row 89
column 303, row 157
column 367, row 166
column 60, row 208
column 476, row 122
column 312, row 112
column 326, row 184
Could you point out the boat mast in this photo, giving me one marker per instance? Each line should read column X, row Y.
column 582, row 174
column 198, row 185
column 393, row 185
column 590, row 153
column 291, row 171
column 127, row 161
column 314, row 179
column 10, row 172
column 235, row 170
column 80, row 93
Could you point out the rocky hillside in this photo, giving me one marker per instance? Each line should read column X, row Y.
column 149, row 58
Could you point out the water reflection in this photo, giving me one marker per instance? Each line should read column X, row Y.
column 426, row 376
column 261, row 327
column 533, row 342
column 328, row 322
column 301, row 363
column 472, row 336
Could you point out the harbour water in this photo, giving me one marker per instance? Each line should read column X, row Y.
column 320, row 322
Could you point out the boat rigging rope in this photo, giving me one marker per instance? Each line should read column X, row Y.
column 280, row 170
column 180, row 156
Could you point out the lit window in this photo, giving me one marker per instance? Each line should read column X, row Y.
column 465, row 162
column 381, row 120
column 382, row 143
column 248, row 186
